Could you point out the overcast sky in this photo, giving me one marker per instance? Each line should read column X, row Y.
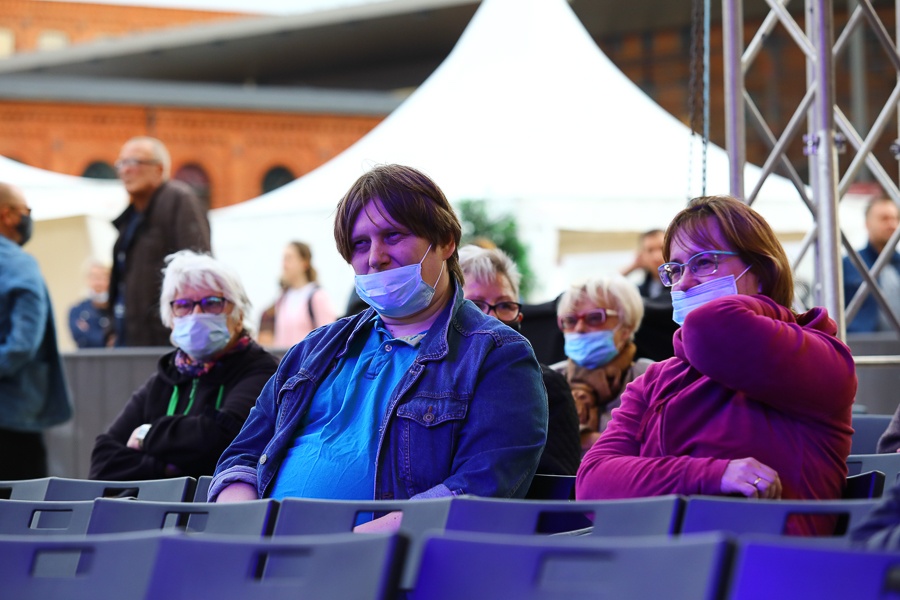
column 279, row 7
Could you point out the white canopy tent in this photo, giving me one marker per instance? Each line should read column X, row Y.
column 526, row 113
column 72, row 224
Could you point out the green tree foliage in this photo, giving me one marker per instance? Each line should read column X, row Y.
column 502, row 231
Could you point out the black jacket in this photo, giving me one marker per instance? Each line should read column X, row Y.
column 183, row 444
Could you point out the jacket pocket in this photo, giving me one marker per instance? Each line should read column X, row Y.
column 426, row 435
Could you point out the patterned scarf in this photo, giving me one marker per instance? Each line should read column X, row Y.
column 195, row 368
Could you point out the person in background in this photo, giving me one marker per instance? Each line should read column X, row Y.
column 646, row 261
column 163, row 216
column 303, row 305
column 186, row 414
column 880, row 530
column 410, row 399
column 599, row 318
column 756, row 401
column 32, row 381
column 882, row 218
column 492, row 284
column 89, row 319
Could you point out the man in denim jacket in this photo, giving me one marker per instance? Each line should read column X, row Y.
column 420, row 396
column 33, row 393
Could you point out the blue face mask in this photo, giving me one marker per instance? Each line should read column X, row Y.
column 591, row 349
column 684, row 302
column 397, row 293
column 201, row 336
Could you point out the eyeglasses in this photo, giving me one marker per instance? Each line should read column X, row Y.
column 126, row 163
column 591, row 318
column 213, row 305
column 505, row 311
column 701, row 264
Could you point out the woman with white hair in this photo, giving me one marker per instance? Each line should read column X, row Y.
column 186, row 414
column 598, row 318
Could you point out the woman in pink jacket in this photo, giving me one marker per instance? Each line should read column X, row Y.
column 756, row 401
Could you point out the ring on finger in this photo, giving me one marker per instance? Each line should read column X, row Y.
column 756, row 483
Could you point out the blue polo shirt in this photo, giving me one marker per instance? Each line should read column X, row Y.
column 333, row 452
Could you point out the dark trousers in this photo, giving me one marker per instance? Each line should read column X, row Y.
column 24, row 455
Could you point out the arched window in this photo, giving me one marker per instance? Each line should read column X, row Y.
column 100, row 169
column 195, row 176
column 276, row 177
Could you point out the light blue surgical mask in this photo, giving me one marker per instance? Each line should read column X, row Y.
column 397, row 293
column 591, row 349
column 201, row 335
column 684, row 302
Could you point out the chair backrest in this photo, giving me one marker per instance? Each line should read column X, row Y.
column 864, row 485
column 304, row 516
column 361, row 567
column 889, row 464
column 74, row 567
column 24, row 489
column 202, row 489
column 639, row 516
column 551, row 487
column 867, row 430
column 487, row 566
column 791, row 568
column 37, row 517
column 255, row 517
column 176, row 489
column 740, row 516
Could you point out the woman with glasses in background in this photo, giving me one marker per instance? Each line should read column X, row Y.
column 492, row 284
column 598, row 318
column 756, row 401
column 186, row 414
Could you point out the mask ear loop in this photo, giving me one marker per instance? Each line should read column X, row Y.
column 742, row 273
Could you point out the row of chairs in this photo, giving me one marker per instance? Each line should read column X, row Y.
column 172, row 566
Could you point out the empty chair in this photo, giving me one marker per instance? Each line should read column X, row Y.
column 255, row 517
column 889, row 464
column 24, row 489
column 202, row 489
column 638, row 516
column 176, row 489
column 489, row 566
column 38, row 517
column 361, row 567
column 102, row 567
column 864, row 485
column 741, row 516
column 867, row 429
column 791, row 568
column 304, row 516
column 551, row 487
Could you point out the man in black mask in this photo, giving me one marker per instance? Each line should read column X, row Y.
column 33, row 393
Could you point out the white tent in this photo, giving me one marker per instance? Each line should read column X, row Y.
column 526, row 113
column 72, row 223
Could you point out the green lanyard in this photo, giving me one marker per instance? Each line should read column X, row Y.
column 173, row 400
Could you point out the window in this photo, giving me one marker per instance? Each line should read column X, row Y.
column 195, row 176
column 276, row 177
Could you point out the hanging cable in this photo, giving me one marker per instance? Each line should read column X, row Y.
column 696, row 85
column 705, row 91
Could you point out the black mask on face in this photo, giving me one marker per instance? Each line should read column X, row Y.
column 25, row 228
column 517, row 325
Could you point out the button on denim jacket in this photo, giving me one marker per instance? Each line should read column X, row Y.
column 468, row 417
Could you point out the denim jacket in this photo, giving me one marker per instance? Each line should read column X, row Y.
column 32, row 381
column 867, row 318
column 468, row 417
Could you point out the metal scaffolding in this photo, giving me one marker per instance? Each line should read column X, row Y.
column 828, row 129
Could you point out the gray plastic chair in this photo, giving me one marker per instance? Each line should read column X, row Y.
column 551, row 487
column 791, row 568
column 255, row 517
column 37, row 517
column 639, row 516
column 176, row 489
column 741, row 516
column 98, row 567
column 303, row 516
column 478, row 566
column 202, row 489
column 889, row 464
column 24, row 489
column 353, row 566
column 867, row 429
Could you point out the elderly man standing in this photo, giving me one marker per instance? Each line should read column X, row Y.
column 163, row 216
column 33, row 393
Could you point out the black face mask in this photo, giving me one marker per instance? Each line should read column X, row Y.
column 517, row 325
column 25, row 228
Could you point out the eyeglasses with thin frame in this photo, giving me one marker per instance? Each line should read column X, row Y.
column 591, row 318
column 701, row 264
column 212, row 305
column 125, row 163
column 505, row 311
